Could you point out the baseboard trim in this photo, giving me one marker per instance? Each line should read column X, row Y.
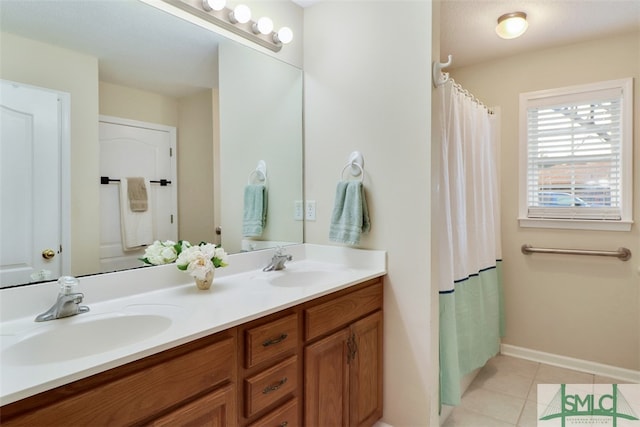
column 627, row 375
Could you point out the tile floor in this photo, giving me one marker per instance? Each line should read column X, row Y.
column 504, row 392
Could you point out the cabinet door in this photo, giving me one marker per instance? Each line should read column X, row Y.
column 327, row 381
column 215, row 409
column 365, row 371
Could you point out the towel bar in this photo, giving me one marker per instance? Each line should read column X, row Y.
column 623, row 254
column 162, row 182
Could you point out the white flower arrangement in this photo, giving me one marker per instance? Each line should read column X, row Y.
column 160, row 253
column 196, row 260
column 201, row 259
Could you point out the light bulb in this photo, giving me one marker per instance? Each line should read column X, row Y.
column 512, row 25
column 240, row 14
column 263, row 26
column 210, row 5
column 284, row 35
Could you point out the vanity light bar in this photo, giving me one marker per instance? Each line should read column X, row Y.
column 226, row 18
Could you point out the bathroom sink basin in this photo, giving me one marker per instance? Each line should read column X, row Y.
column 290, row 278
column 77, row 336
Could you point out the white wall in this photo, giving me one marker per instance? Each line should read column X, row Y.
column 196, row 167
column 582, row 307
column 259, row 121
column 368, row 88
column 136, row 104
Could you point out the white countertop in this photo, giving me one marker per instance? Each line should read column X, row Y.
column 240, row 293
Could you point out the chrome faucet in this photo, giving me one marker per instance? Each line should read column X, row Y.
column 278, row 260
column 68, row 302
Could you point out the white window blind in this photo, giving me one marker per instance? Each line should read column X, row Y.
column 575, row 147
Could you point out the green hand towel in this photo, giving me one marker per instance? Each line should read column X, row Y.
column 350, row 217
column 255, row 210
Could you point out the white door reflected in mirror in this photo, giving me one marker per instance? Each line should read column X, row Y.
column 31, row 142
column 130, row 148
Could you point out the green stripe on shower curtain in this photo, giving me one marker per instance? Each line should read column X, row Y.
column 471, row 324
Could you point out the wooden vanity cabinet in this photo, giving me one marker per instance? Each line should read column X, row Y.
column 316, row 364
column 343, row 359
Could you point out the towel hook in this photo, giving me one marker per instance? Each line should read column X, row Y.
column 440, row 77
column 356, row 163
column 260, row 172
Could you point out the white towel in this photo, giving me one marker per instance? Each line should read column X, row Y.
column 136, row 227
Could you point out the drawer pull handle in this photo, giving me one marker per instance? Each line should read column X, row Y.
column 284, row 424
column 277, row 340
column 274, row 387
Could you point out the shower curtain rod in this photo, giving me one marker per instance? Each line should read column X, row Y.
column 469, row 95
column 623, row 254
column 440, row 78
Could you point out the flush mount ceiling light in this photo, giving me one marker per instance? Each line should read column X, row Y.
column 512, row 25
column 238, row 21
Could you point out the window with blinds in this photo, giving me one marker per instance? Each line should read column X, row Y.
column 576, row 156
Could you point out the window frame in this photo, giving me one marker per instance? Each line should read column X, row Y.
column 626, row 158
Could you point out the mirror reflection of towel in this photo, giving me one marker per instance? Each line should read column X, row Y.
column 136, row 227
column 137, row 194
column 254, row 218
column 350, row 217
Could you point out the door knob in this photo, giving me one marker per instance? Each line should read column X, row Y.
column 48, row 253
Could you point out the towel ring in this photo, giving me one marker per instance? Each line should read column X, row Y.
column 260, row 173
column 361, row 173
column 356, row 163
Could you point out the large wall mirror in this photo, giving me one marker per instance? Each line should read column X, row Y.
column 236, row 113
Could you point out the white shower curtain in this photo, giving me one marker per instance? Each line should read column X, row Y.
column 471, row 318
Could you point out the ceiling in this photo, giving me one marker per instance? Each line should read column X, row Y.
column 467, row 27
column 138, row 45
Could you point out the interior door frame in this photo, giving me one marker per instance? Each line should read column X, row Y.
column 65, row 181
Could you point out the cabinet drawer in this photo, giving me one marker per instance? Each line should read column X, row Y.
column 270, row 385
column 341, row 311
column 283, row 416
column 270, row 340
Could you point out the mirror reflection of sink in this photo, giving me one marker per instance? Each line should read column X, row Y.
column 298, row 278
column 76, row 337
